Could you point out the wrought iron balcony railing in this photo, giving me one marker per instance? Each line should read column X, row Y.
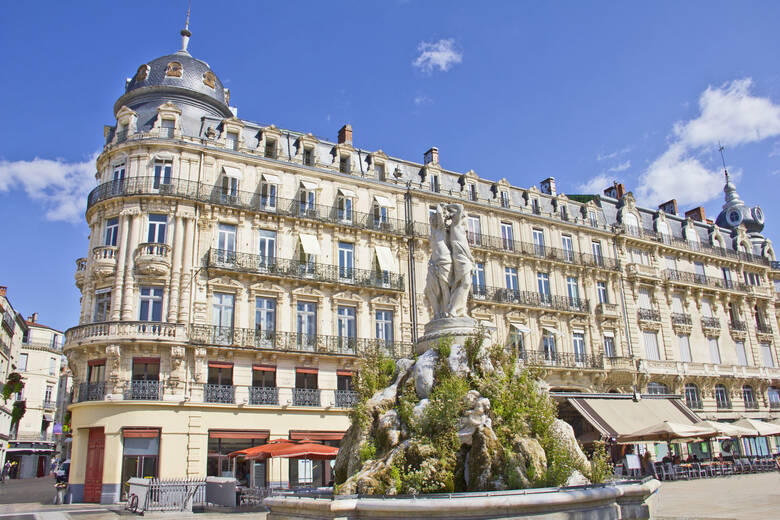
column 92, row 391
column 306, row 397
column 710, row 323
column 680, row 318
column 701, row 279
column 219, row 393
column 48, row 404
column 288, row 268
column 263, row 395
column 529, row 299
column 763, row 328
column 248, row 200
column 292, row 341
column 751, row 405
column 738, row 325
column 774, row 405
column 561, row 359
column 649, row 315
column 144, row 390
column 346, row 398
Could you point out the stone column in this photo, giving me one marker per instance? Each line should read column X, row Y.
column 176, row 260
column 126, row 217
column 132, row 246
column 186, row 274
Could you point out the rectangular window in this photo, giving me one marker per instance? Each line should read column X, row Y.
column 714, row 351
column 548, row 343
column 306, row 323
column 543, row 282
column 645, row 301
column 766, row 355
column 151, row 304
column 564, row 213
column 306, row 378
column 270, row 148
column 49, row 393
column 568, row 248
column 220, row 374
column 226, row 238
column 510, row 274
column 265, row 314
column 264, row 377
column 231, row 141
column 268, row 194
column 651, row 345
column 308, row 156
column 504, row 199
column 677, row 304
column 162, row 173
column 507, row 236
column 535, row 207
column 222, row 317
column 579, row 347
column 592, row 219
column 119, row 173
column 384, row 326
column 267, row 241
column 140, row 453
column 379, row 169
column 741, row 354
column 167, row 127
column 478, row 279
column 307, row 201
column 381, row 216
column 474, row 230
column 538, row 235
column 601, row 290
column 22, row 362
column 229, row 194
column 102, row 306
column 597, row 256
column 344, row 208
column 671, row 263
column 699, row 269
column 112, row 231
column 706, row 308
column 146, row 369
column 471, row 189
column 52, row 366
column 609, row 346
column 157, row 227
column 727, row 278
column 685, row 348
column 96, row 373
column 434, row 183
column 346, row 325
column 573, row 289
column 344, row 164
column 346, row 260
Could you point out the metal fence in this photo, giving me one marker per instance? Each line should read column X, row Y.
column 175, row 494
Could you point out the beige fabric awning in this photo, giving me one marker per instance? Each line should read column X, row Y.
column 347, row 193
column 620, row 416
column 230, row 171
column 383, row 201
column 271, row 179
column 310, row 244
column 386, row 259
column 609, row 334
column 551, row 330
column 520, row 327
column 309, row 185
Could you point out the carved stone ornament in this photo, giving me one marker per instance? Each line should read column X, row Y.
column 174, row 70
column 177, row 357
column 112, row 361
column 209, row 79
column 142, row 73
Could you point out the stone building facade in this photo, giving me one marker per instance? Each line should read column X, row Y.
column 235, row 271
column 12, row 330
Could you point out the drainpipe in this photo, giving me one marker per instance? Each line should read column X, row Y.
column 412, row 277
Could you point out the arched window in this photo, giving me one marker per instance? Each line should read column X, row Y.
column 632, row 223
column 749, row 397
column 722, row 397
column 692, row 398
column 657, row 388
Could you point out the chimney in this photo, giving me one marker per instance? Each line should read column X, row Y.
column 345, row 134
column 432, row 156
column 548, row 186
column 669, row 207
column 33, row 318
column 3, row 290
column 696, row 214
column 616, row 191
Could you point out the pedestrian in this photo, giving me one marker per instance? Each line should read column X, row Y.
column 6, row 470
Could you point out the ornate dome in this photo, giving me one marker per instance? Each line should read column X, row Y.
column 179, row 70
column 735, row 212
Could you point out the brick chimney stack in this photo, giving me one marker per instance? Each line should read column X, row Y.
column 3, row 290
column 431, row 156
column 33, row 318
column 548, row 186
column 345, row 134
column 616, row 191
column 696, row 214
column 669, row 207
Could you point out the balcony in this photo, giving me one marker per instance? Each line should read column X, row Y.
column 738, row 326
column 141, row 390
column 104, row 261
column 607, row 310
column 763, row 328
column 673, row 275
column 642, row 271
column 682, row 319
column 649, row 315
column 225, row 394
column 288, row 268
column 619, row 363
column 107, row 331
column 263, row 395
column 710, row 325
column 92, row 391
column 81, row 271
column 561, row 359
column 346, row 398
column 153, row 259
column 294, row 342
column 306, row 397
column 530, row 299
column 49, row 405
column 246, row 200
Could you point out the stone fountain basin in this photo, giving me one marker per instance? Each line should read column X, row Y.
column 623, row 500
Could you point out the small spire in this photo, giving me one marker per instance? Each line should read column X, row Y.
column 185, row 33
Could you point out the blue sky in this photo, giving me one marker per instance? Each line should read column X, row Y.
column 586, row 92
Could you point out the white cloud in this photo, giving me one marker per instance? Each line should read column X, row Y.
column 625, row 165
column 596, row 184
column 60, row 186
column 730, row 115
column 440, row 55
column 613, row 155
column 422, row 100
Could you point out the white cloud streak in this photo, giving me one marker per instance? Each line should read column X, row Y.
column 422, row 100
column 60, row 187
column 729, row 114
column 440, row 55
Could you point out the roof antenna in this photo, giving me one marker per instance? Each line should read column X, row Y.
column 723, row 160
column 185, row 33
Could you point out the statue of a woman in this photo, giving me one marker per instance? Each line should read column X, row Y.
column 462, row 262
column 437, row 281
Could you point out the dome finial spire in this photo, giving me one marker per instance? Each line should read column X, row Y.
column 185, row 33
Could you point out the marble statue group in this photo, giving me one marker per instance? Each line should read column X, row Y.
column 448, row 281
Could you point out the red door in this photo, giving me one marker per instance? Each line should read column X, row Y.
column 93, row 480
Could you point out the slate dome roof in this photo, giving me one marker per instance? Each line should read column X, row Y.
column 190, row 73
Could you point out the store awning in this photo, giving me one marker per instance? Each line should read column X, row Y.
column 519, row 327
column 385, row 258
column 620, row 416
column 310, row 244
column 271, row 179
column 230, row 171
column 347, row 193
column 383, row 201
column 551, row 330
column 308, row 185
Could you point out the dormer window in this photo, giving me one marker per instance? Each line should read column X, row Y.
column 308, row 156
column 471, row 190
column 435, row 183
column 173, row 70
column 231, row 140
column 564, row 213
column 121, row 133
column 344, row 166
column 535, row 207
column 167, row 127
column 504, row 197
column 270, row 148
column 592, row 219
column 380, row 171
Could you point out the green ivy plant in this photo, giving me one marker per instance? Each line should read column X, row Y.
column 17, row 412
column 13, row 385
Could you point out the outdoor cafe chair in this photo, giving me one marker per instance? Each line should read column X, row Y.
column 747, row 465
column 661, row 471
column 618, row 470
column 677, row 471
column 698, row 470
